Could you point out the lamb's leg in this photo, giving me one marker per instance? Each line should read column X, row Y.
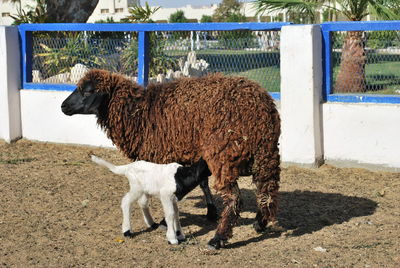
column 144, row 205
column 169, row 212
column 126, row 203
column 212, row 214
column 178, row 228
column 229, row 216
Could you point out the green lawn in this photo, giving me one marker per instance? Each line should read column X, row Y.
column 382, row 73
column 268, row 77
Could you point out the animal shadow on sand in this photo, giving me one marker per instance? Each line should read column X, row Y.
column 300, row 212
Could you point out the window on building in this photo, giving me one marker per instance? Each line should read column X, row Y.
column 5, row 14
column 119, row 10
column 104, row 10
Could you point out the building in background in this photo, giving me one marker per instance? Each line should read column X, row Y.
column 7, row 8
column 118, row 9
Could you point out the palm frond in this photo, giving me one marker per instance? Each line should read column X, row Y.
column 307, row 8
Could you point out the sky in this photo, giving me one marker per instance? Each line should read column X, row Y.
column 181, row 3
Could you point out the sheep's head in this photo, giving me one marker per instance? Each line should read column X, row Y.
column 91, row 94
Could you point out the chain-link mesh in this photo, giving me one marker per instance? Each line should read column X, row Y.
column 366, row 62
column 63, row 57
column 253, row 54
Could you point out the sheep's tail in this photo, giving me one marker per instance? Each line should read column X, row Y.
column 120, row 170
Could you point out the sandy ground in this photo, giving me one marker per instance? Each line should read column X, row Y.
column 58, row 209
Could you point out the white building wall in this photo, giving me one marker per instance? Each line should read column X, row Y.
column 8, row 7
column 191, row 12
column 117, row 9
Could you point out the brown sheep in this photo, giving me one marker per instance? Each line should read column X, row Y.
column 231, row 122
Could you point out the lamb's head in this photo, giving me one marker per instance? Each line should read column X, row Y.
column 91, row 95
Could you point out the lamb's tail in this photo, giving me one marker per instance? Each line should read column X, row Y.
column 120, row 170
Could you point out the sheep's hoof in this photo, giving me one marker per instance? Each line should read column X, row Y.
column 154, row 226
column 259, row 227
column 129, row 234
column 217, row 243
column 212, row 214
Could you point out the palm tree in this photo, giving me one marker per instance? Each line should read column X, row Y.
column 351, row 76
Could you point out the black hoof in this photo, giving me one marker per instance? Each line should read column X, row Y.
column 154, row 226
column 178, row 233
column 217, row 243
column 129, row 234
column 259, row 227
column 212, row 214
column 163, row 223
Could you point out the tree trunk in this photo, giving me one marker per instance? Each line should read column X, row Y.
column 351, row 76
column 70, row 10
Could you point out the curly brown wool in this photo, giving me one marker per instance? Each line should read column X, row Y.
column 231, row 122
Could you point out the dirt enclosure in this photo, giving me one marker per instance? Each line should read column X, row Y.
column 58, row 209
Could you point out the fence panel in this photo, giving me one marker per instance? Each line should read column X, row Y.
column 362, row 61
column 56, row 55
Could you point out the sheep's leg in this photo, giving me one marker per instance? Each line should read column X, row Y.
column 144, row 205
column 178, row 228
column 266, row 179
column 267, row 202
column 169, row 213
column 229, row 216
column 126, row 203
column 212, row 214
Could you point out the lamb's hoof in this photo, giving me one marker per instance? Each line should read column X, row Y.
column 217, row 243
column 173, row 242
column 154, row 226
column 181, row 237
column 163, row 224
column 129, row 234
column 212, row 214
column 259, row 227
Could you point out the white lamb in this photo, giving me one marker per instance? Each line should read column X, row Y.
column 170, row 182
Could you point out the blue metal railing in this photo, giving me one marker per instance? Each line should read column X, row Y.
column 327, row 30
column 143, row 30
column 143, row 48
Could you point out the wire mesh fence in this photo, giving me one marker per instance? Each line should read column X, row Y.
column 366, row 62
column 63, row 57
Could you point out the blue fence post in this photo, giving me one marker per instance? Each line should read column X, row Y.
column 26, row 56
column 327, row 61
column 143, row 58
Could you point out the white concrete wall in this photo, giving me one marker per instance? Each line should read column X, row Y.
column 358, row 134
column 43, row 120
column 10, row 123
column 301, row 83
